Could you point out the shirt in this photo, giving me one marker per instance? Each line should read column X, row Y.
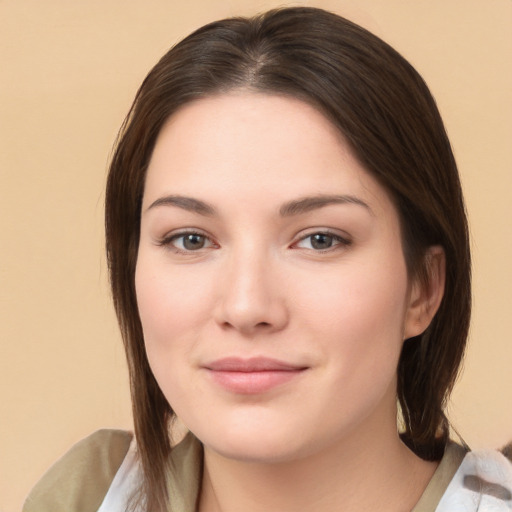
column 100, row 473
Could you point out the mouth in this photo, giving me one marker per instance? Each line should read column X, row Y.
column 252, row 376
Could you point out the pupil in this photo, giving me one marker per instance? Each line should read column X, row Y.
column 321, row 241
column 192, row 242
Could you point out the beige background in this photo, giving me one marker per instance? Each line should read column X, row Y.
column 69, row 71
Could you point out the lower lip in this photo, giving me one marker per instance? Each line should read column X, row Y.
column 250, row 383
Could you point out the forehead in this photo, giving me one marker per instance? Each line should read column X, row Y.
column 253, row 145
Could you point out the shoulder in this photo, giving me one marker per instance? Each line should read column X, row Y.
column 483, row 481
column 82, row 477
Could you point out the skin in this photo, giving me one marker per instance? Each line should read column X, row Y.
column 249, row 279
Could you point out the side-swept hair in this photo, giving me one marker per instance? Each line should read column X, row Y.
column 384, row 110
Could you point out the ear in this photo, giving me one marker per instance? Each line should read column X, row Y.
column 426, row 292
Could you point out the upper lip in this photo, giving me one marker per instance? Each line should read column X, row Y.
column 253, row 364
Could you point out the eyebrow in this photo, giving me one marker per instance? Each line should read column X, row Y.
column 288, row 209
column 186, row 203
column 306, row 204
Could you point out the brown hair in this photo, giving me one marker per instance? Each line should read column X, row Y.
column 384, row 110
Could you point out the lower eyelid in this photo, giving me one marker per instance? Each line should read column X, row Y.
column 170, row 238
column 341, row 240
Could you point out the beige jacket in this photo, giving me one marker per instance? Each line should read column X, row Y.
column 80, row 480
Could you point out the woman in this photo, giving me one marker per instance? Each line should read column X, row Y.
column 289, row 258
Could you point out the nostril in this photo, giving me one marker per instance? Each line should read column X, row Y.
column 250, row 316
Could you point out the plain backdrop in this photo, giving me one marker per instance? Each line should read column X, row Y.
column 69, row 71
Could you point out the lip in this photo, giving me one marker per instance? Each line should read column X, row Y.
column 254, row 375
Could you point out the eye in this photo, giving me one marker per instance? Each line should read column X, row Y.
column 321, row 241
column 188, row 242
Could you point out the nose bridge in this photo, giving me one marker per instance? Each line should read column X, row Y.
column 250, row 295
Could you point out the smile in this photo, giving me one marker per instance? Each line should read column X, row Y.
column 252, row 376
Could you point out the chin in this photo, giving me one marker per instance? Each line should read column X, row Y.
column 257, row 443
column 256, row 450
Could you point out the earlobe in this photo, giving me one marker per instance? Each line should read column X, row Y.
column 426, row 293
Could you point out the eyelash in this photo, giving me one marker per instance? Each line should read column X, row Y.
column 338, row 239
column 168, row 241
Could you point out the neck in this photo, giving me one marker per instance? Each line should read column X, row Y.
column 372, row 470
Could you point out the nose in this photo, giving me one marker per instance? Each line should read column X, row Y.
column 252, row 299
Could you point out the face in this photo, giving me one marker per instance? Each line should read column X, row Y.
column 270, row 280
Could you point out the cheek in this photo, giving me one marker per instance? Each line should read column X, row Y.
column 358, row 317
column 357, row 322
column 172, row 309
column 169, row 310
column 359, row 297
column 168, row 302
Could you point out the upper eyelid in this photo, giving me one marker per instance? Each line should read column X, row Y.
column 301, row 235
column 186, row 231
column 168, row 243
column 174, row 234
column 305, row 233
column 344, row 240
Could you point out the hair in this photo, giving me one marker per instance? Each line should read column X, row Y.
column 384, row 110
